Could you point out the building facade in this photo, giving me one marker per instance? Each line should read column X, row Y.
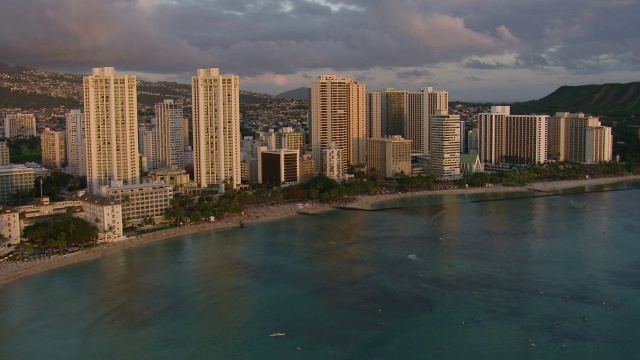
column 148, row 145
column 374, row 117
column 9, row 228
column 19, row 126
column 170, row 136
column 14, row 178
column 598, row 144
column 4, row 154
column 54, row 149
column 568, row 138
column 389, row 156
column 516, row 139
column 279, row 167
column 332, row 166
column 216, row 129
column 111, row 128
column 140, row 201
column 76, row 145
column 337, row 114
column 445, row 145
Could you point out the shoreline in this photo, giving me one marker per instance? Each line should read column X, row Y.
column 13, row 271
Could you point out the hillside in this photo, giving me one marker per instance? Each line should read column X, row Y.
column 301, row 93
column 606, row 99
column 27, row 88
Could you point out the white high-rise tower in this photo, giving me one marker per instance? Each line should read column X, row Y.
column 337, row 115
column 111, row 128
column 216, row 128
column 76, row 146
column 169, row 132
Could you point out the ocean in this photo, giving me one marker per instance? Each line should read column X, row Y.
column 485, row 276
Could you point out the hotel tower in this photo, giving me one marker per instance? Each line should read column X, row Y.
column 111, row 128
column 216, row 128
column 337, row 115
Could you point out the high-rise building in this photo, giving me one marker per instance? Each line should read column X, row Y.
column 288, row 139
column 389, row 156
column 472, row 140
column 279, row 168
column 444, row 131
column 374, row 117
column 169, row 132
column 568, row 136
column 337, row 115
column 463, row 137
column 185, row 133
column 216, row 128
column 598, row 144
column 407, row 113
column 111, row 130
column 332, row 158
column 4, row 153
column 53, row 146
column 19, row 126
column 506, row 138
column 76, row 145
column 394, row 112
column 148, row 144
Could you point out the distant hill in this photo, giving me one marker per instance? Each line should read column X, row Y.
column 26, row 100
column 301, row 93
column 606, row 99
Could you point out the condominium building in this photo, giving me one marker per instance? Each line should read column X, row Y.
column 444, row 131
column 389, row 156
column 54, row 149
column 186, row 134
column 9, row 228
column 394, row 112
column 19, row 126
column 506, row 138
column 101, row 211
column 148, row 144
column 140, row 201
column 216, row 129
column 307, row 168
column 407, row 113
column 279, row 167
column 331, row 160
column 170, row 137
column 598, row 144
column 111, row 131
column 374, row 116
column 337, row 115
column 472, row 140
column 14, row 178
column 76, row 145
column 568, row 137
column 288, row 139
column 4, row 153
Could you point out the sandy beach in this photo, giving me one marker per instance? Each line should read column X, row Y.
column 12, row 270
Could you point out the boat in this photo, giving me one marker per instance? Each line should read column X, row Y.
column 278, row 334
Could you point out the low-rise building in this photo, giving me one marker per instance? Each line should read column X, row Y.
column 389, row 156
column 140, row 201
column 279, row 168
column 9, row 229
column 14, row 178
column 104, row 212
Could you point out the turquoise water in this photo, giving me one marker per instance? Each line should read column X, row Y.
column 441, row 277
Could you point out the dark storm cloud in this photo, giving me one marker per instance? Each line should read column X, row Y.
column 255, row 37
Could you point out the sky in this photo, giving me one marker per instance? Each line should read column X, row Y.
column 477, row 50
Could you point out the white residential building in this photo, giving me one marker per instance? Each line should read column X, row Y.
column 19, row 125
column 337, row 114
column 170, row 134
column 445, row 145
column 53, row 146
column 15, row 178
column 216, row 129
column 111, row 115
column 140, row 201
column 76, row 145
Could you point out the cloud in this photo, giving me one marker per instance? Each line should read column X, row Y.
column 412, row 74
column 473, row 78
column 261, row 40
